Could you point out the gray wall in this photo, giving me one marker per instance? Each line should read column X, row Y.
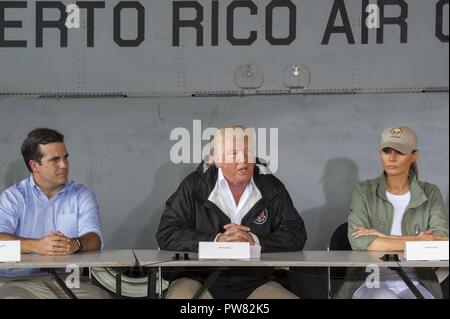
column 120, row 148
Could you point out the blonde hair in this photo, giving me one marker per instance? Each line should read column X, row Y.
column 414, row 169
column 219, row 137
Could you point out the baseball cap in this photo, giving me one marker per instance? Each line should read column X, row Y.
column 401, row 138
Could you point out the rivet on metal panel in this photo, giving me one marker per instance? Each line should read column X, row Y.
column 296, row 76
column 296, row 71
column 248, row 76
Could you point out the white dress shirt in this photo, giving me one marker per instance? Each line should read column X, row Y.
column 223, row 198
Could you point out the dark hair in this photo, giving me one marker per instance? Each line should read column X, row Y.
column 40, row 136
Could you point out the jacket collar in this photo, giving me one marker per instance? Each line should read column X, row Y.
column 418, row 196
column 209, row 175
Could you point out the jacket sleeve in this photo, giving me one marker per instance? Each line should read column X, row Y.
column 438, row 222
column 288, row 229
column 359, row 217
column 177, row 228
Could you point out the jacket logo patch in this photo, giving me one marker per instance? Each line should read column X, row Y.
column 261, row 218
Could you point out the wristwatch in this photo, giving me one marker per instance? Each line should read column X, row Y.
column 78, row 241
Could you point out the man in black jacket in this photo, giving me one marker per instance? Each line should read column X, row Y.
column 231, row 198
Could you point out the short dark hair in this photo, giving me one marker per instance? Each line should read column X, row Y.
column 40, row 136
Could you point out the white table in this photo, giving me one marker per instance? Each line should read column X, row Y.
column 108, row 258
column 156, row 258
column 326, row 259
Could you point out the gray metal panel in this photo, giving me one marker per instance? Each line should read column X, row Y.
column 158, row 68
column 120, row 148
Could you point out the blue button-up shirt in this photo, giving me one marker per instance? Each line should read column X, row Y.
column 25, row 211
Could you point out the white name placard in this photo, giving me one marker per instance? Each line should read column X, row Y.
column 225, row 250
column 9, row 250
column 426, row 250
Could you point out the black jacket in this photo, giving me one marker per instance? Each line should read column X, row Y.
column 190, row 217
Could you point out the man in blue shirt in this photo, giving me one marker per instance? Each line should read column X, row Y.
column 50, row 215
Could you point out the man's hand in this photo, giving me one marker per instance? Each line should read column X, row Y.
column 362, row 231
column 54, row 244
column 236, row 233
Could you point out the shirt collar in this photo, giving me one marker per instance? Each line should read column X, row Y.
column 220, row 177
column 223, row 182
column 39, row 190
